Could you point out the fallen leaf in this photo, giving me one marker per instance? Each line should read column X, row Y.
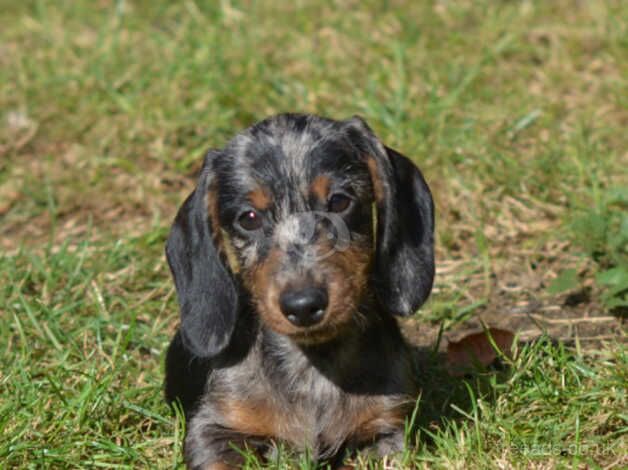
column 476, row 350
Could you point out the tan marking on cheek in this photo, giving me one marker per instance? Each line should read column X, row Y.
column 347, row 280
column 378, row 187
column 352, row 267
column 320, row 187
column 260, row 198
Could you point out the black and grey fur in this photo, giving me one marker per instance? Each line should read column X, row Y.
column 285, row 208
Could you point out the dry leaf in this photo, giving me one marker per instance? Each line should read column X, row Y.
column 476, row 349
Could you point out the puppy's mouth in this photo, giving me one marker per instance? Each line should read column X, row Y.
column 318, row 335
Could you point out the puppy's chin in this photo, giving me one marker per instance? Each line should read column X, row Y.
column 316, row 336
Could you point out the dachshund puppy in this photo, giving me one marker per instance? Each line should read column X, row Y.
column 303, row 240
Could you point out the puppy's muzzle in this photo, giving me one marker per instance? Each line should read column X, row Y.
column 304, row 307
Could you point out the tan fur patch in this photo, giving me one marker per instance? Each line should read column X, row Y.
column 221, row 466
column 251, row 418
column 230, row 254
column 220, row 238
column 260, row 198
column 212, row 213
column 320, row 187
column 378, row 187
column 375, row 419
column 347, row 280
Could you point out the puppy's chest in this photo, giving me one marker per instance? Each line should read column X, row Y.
column 314, row 413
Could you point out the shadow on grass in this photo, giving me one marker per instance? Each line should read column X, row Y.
column 445, row 398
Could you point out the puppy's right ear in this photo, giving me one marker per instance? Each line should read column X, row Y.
column 205, row 285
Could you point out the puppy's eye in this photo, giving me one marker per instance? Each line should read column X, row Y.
column 338, row 203
column 250, row 220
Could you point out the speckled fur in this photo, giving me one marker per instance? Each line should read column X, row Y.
column 244, row 374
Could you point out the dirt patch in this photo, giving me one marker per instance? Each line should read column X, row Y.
column 516, row 299
column 71, row 196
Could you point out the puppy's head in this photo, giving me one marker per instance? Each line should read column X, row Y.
column 294, row 195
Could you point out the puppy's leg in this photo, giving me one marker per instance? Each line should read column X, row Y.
column 384, row 445
column 214, row 447
column 389, row 444
column 212, row 442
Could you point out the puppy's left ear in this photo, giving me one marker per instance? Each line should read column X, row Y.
column 404, row 258
column 207, row 290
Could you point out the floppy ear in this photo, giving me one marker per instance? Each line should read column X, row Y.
column 404, row 258
column 205, row 285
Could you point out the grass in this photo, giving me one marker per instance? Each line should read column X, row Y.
column 515, row 110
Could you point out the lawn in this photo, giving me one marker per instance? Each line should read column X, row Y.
column 516, row 111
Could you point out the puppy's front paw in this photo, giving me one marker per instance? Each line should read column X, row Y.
column 386, row 445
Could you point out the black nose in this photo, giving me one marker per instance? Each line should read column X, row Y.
column 304, row 307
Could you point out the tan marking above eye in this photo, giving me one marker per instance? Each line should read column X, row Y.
column 260, row 198
column 320, row 187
